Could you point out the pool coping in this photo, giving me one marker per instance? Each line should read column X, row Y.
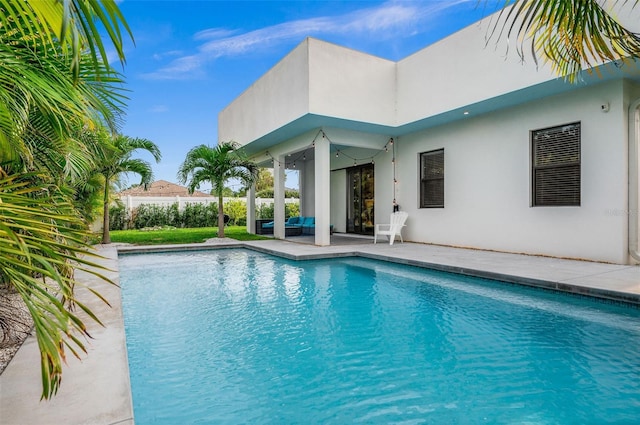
column 97, row 390
column 630, row 298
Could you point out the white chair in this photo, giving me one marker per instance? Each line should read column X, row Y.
column 392, row 229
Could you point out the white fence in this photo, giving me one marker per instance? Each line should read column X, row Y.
column 132, row 202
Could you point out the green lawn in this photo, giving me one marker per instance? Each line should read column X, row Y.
column 178, row 236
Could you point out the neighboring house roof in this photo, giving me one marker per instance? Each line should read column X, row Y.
column 162, row 188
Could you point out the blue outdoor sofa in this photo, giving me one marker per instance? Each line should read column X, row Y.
column 293, row 226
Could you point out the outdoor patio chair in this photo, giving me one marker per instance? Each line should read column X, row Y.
column 392, row 229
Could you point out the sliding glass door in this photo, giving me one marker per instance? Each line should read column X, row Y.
column 360, row 199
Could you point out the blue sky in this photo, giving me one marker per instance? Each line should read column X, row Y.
column 192, row 58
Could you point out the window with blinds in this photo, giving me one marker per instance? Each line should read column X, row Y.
column 432, row 179
column 555, row 166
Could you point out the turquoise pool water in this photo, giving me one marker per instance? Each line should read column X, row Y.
column 235, row 337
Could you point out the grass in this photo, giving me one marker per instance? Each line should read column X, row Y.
column 180, row 236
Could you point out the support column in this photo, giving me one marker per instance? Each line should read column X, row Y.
column 301, row 188
column 322, row 165
column 251, row 209
column 278, row 197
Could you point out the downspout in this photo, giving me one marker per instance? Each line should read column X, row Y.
column 634, row 144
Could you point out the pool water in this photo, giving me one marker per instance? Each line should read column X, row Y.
column 234, row 336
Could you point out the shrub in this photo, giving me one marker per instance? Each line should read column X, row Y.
column 265, row 211
column 292, row 210
column 235, row 209
column 266, row 193
column 291, row 193
column 200, row 215
column 118, row 217
column 192, row 215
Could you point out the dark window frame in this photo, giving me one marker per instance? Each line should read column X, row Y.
column 430, row 182
column 556, row 169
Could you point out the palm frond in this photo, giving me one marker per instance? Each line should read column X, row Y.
column 75, row 26
column 41, row 244
column 571, row 35
column 216, row 165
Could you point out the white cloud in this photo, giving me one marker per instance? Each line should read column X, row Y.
column 388, row 20
column 158, row 109
column 171, row 53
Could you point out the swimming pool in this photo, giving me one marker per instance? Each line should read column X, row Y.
column 234, row 336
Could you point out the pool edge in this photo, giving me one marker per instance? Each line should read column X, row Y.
column 627, row 298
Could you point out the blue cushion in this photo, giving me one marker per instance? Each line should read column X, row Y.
column 293, row 221
column 267, row 225
column 309, row 221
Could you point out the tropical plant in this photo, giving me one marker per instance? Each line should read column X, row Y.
column 216, row 165
column 42, row 243
column 119, row 217
column 55, row 81
column 236, row 209
column 227, row 192
column 263, row 182
column 570, row 34
column 49, row 84
column 115, row 160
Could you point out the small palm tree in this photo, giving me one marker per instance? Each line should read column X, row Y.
column 569, row 34
column 216, row 165
column 116, row 160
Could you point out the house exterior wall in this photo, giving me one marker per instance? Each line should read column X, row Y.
column 488, row 180
column 360, row 101
column 277, row 98
column 476, row 72
column 349, row 84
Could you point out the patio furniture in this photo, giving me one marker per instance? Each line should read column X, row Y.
column 393, row 229
column 308, row 225
column 294, row 226
column 260, row 226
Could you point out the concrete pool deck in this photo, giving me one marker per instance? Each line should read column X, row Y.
column 97, row 390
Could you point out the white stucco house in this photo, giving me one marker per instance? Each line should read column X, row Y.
column 480, row 149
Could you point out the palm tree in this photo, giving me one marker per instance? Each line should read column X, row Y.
column 570, row 34
column 43, row 242
column 216, row 165
column 54, row 78
column 48, row 83
column 116, row 160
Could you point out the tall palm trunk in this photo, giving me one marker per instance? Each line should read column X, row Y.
column 220, row 216
column 106, row 236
